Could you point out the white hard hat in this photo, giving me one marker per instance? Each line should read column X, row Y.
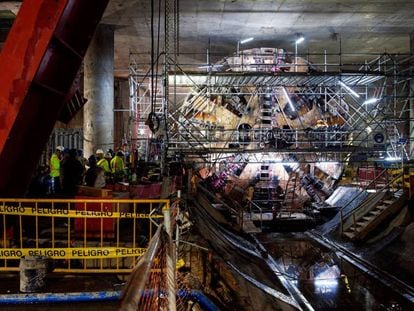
column 60, row 148
column 99, row 151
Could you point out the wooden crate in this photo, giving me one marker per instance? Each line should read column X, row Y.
column 94, row 192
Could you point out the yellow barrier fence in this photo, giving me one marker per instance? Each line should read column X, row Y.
column 79, row 236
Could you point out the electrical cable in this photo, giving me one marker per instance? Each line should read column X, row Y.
column 152, row 56
column 158, row 46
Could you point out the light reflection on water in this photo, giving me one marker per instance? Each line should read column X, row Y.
column 328, row 282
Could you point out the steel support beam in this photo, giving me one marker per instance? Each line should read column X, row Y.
column 411, row 94
column 39, row 62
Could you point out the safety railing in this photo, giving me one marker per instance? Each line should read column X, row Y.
column 253, row 206
column 80, row 236
column 353, row 215
column 277, row 60
column 155, row 283
column 373, row 178
column 275, row 138
column 145, row 287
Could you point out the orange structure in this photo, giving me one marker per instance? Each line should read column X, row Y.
column 39, row 62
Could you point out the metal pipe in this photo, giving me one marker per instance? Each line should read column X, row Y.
column 170, row 262
column 13, row 299
column 59, row 297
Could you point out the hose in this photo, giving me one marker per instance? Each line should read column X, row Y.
column 13, row 299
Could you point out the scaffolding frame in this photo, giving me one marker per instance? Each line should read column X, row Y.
column 385, row 76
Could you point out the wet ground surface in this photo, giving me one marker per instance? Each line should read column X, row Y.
column 325, row 280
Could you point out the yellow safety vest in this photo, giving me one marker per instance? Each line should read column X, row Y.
column 103, row 163
column 117, row 164
column 54, row 165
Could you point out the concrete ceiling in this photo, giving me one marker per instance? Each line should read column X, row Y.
column 363, row 26
column 360, row 26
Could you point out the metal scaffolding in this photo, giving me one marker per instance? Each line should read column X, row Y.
column 361, row 108
column 345, row 93
column 147, row 101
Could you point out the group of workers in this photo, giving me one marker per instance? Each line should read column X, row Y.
column 68, row 169
column 111, row 164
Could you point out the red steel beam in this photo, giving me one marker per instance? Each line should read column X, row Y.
column 39, row 62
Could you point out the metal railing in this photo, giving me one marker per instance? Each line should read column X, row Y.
column 278, row 60
column 81, row 236
column 263, row 70
column 276, row 138
column 155, row 282
column 353, row 212
column 255, row 206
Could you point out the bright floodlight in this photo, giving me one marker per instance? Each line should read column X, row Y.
column 349, row 89
column 210, row 66
column 300, row 40
column 246, row 40
column 370, row 101
column 393, row 159
column 288, row 98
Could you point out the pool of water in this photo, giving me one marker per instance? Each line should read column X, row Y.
column 325, row 280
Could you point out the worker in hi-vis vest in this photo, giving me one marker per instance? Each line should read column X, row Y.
column 117, row 166
column 54, row 166
column 102, row 162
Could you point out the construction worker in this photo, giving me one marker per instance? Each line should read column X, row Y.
column 102, row 162
column 108, row 157
column 250, row 193
column 72, row 174
column 117, row 166
column 194, row 182
column 95, row 175
column 54, row 165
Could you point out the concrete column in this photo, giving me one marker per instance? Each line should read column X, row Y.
column 411, row 141
column 122, row 114
column 98, row 115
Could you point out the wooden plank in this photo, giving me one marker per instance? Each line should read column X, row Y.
column 349, row 235
column 368, row 218
column 365, row 207
column 374, row 212
column 382, row 216
column 94, row 192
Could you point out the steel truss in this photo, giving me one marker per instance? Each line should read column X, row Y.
column 372, row 129
column 146, row 98
column 375, row 129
